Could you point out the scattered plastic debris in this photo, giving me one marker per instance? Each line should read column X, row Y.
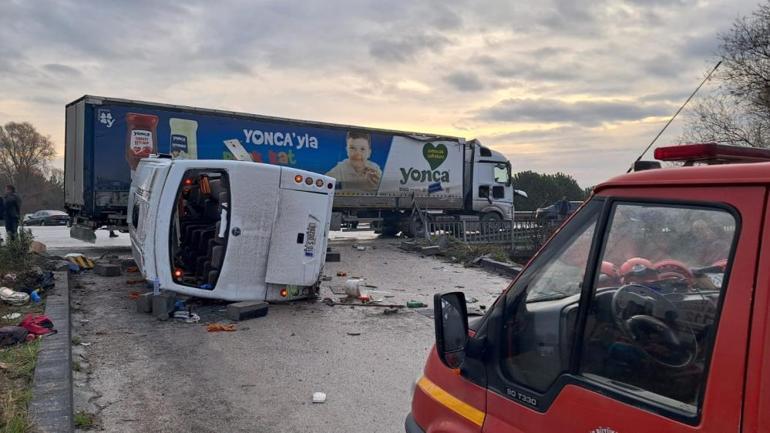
column 11, row 316
column 342, row 274
column 354, row 288
column 84, row 344
column 219, row 327
column 415, row 304
column 319, row 397
column 326, row 278
column 471, row 300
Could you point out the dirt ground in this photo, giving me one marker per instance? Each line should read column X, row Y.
column 140, row 374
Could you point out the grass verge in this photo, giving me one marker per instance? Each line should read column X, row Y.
column 17, row 366
column 17, row 363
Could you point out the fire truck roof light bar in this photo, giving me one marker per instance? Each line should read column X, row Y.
column 712, row 153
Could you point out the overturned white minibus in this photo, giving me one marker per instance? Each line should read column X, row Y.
column 230, row 230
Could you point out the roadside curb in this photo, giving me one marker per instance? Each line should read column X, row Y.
column 51, row 405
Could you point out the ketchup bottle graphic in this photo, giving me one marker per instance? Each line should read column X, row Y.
column 141, row 137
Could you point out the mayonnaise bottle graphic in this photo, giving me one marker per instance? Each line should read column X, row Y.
column 184, row 138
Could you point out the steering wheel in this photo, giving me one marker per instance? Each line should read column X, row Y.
column 644, row 316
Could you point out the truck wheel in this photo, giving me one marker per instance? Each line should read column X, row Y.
column 491, row 217
column 390, row 230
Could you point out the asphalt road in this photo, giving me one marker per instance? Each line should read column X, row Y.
column 140, row 374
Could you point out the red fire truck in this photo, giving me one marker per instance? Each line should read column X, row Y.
column 648, row 311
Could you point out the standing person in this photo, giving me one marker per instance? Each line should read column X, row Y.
column 12, row 210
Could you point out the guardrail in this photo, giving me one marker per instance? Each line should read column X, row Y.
column 524, row 234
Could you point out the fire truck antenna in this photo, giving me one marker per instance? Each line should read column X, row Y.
column 674, row 116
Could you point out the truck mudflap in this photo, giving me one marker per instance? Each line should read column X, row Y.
column 410, row 425
column 83, row 233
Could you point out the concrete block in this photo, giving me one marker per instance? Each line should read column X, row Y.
column 431, row 250
column 333, row 256
column 162, row 305
column 144, row 303
column 246, row 310
column 107, row 270
column 507, row 269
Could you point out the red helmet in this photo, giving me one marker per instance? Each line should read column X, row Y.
column 637, row 269
column 668, row 269
column 609, row 269
column 609, row 275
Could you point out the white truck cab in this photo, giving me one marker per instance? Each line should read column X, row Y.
column 230, row 230
column 492, row 191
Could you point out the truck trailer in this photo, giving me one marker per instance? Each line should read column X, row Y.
column 382, row 176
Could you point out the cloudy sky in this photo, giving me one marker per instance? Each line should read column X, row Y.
column 578, row 86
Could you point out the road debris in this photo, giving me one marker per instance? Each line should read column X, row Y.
column 354, row 334
column 37, row 247
column 80, row 260
column 416, row 304
column 11, row 316
column 37, row 324
column 186, row 316
column 10, row 335
column 342, row 274
column 331, row 302
column 353, row 288
column 220, row 327
column 12, row 297
column 319, row 397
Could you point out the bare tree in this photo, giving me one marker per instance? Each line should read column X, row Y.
column 24, row 158
column 738, row 112
column 24, row 152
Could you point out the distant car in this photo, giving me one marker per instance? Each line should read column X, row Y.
column 47, row 218
column 551, row 212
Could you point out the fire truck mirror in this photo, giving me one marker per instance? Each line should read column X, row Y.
column 451, row 319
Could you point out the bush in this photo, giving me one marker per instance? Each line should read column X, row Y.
column 15, row 255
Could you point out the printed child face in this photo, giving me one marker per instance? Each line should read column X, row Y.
column 358, row 149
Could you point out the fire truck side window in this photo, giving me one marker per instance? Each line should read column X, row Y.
column 541, row 309
column 652, row 320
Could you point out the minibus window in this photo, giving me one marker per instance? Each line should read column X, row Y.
column 199, row 228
